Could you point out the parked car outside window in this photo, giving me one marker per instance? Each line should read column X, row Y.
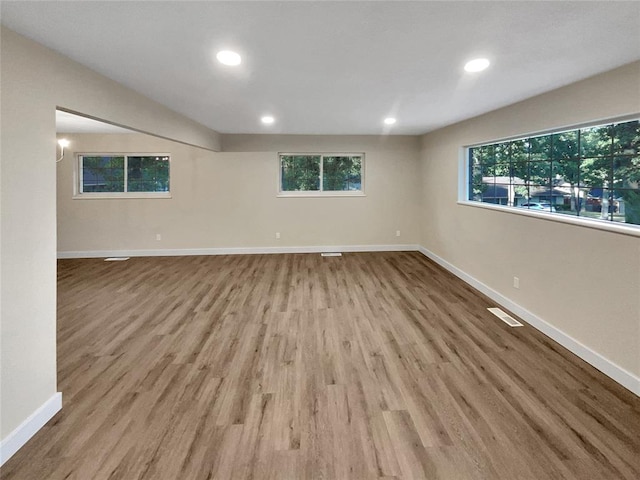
column 547, row 207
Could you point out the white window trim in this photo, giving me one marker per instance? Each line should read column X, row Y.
column 593, row 223
column 463, row 184
column 77, row 178
column 311, row 194
column 322, row 193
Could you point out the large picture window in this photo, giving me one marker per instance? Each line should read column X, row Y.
column 321, row 174
column 123, row 175
column 591, row 172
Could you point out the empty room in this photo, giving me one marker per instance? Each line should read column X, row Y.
column 320, row 240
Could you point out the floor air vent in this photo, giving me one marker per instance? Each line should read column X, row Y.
column 331, row 254
column 512, row 322
column 116, row 259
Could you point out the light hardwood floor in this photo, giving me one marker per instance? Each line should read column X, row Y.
column 372, row 365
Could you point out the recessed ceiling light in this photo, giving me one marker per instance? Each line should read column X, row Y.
column 477, row 65
column 389, row 121
column 227, row 57
column 267, row 119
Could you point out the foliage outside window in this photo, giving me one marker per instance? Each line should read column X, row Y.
column 321, row 173
column 591, row 172
column 123, row 174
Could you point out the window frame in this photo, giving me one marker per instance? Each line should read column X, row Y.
column 597, row 224
column 78, row 176
column 322, row 193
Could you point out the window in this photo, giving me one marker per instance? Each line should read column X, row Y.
column 591, row 172
column 321, row 174
column 123, row 175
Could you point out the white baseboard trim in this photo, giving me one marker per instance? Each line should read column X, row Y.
column 27, row 429
column 236, row 251
column 606, row 366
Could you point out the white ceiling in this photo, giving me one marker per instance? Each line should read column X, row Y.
column 70, row 123
column 335, row 67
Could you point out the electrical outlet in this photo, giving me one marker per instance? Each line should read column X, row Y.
column 516, row 282
column 277, row 234
column 397, row 233
column 158, row 237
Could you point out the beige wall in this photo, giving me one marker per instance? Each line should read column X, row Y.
column 52, row 78
column 34, row 81
column 226, row 200
column 584, row 282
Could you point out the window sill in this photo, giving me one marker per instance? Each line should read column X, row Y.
column 115, row 196
column 605, row 225
column 319, row 194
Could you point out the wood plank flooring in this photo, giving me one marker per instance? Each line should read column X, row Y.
column 366, row 366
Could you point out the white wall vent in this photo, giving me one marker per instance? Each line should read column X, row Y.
column 331, row 254
column 509, row 320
